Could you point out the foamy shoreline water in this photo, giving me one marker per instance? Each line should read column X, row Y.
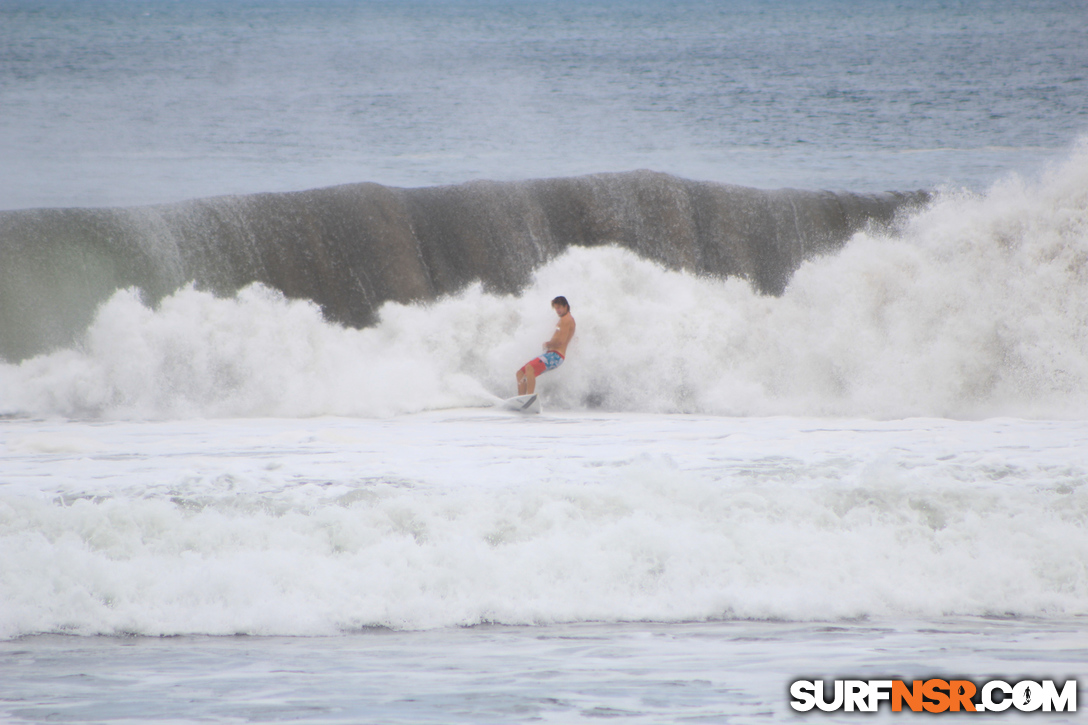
column 325, row 525
column 716, row 672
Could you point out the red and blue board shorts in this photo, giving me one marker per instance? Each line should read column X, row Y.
column 548, row 361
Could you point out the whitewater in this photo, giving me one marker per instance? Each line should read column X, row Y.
column 896, row 445
column 333, row 525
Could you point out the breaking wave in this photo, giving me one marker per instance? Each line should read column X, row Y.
column 975, row 306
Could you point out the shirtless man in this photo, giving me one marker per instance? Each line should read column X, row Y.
column 555, row 349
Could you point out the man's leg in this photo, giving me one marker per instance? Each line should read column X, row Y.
column 526, row 380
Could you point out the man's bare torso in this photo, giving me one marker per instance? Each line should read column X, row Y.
column 564, row 331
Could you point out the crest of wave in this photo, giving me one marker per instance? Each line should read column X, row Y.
column 976, row 306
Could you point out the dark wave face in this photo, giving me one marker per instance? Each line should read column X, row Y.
column 351, row 248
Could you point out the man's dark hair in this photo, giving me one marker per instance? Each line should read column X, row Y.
column 561, row 300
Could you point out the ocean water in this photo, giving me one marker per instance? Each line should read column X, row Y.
column 225, row 509
column 122, row 102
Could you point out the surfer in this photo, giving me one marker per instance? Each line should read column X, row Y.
column 555, row 349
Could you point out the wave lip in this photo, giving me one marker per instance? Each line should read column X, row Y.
column 352, row 248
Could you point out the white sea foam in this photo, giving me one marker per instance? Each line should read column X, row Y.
column 977, row 306
column 274, row 527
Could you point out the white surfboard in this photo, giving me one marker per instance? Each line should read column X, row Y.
column 522, row 403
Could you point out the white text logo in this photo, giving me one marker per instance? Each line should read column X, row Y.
column 934, row 695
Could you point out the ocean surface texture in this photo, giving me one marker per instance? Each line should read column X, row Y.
column 268, row 266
